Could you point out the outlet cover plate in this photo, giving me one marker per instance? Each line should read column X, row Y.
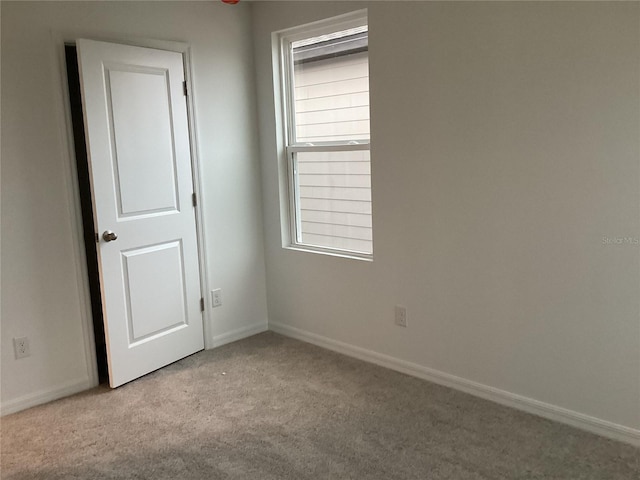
column 21, row 347
column 401, row 316
column 216, row 297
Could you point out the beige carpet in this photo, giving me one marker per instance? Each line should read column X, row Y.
column 270, row 407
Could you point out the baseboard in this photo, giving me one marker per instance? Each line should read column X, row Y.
column 529, row 405
column 45, row 396
column 238, row 334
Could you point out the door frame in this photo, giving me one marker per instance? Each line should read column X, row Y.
column 59, row 39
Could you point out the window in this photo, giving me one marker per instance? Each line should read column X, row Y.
column 325, row 92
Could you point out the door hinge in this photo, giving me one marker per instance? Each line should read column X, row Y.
column 202, row 304
column 184, row 88
column 194, row 199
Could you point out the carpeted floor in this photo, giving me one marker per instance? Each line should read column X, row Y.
column 270, row 407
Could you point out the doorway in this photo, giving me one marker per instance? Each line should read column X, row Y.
column 88, row 226
column 130, row 120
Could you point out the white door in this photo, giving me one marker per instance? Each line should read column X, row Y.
column 141, row 179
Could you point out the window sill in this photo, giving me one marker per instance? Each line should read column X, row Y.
column 332, row 253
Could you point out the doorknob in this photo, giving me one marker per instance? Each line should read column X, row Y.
column 109, row 236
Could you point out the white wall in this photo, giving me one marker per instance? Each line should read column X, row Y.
column 41, row 284
column 505, row 146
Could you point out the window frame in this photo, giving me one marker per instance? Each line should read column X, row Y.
column 293, row 232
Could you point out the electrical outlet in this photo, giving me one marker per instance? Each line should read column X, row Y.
column 401, row 316
column 21, row 347
column 216, row 297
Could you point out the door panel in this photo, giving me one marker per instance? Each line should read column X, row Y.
column 141, row 178
column 157, row 306
column 141, row 127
